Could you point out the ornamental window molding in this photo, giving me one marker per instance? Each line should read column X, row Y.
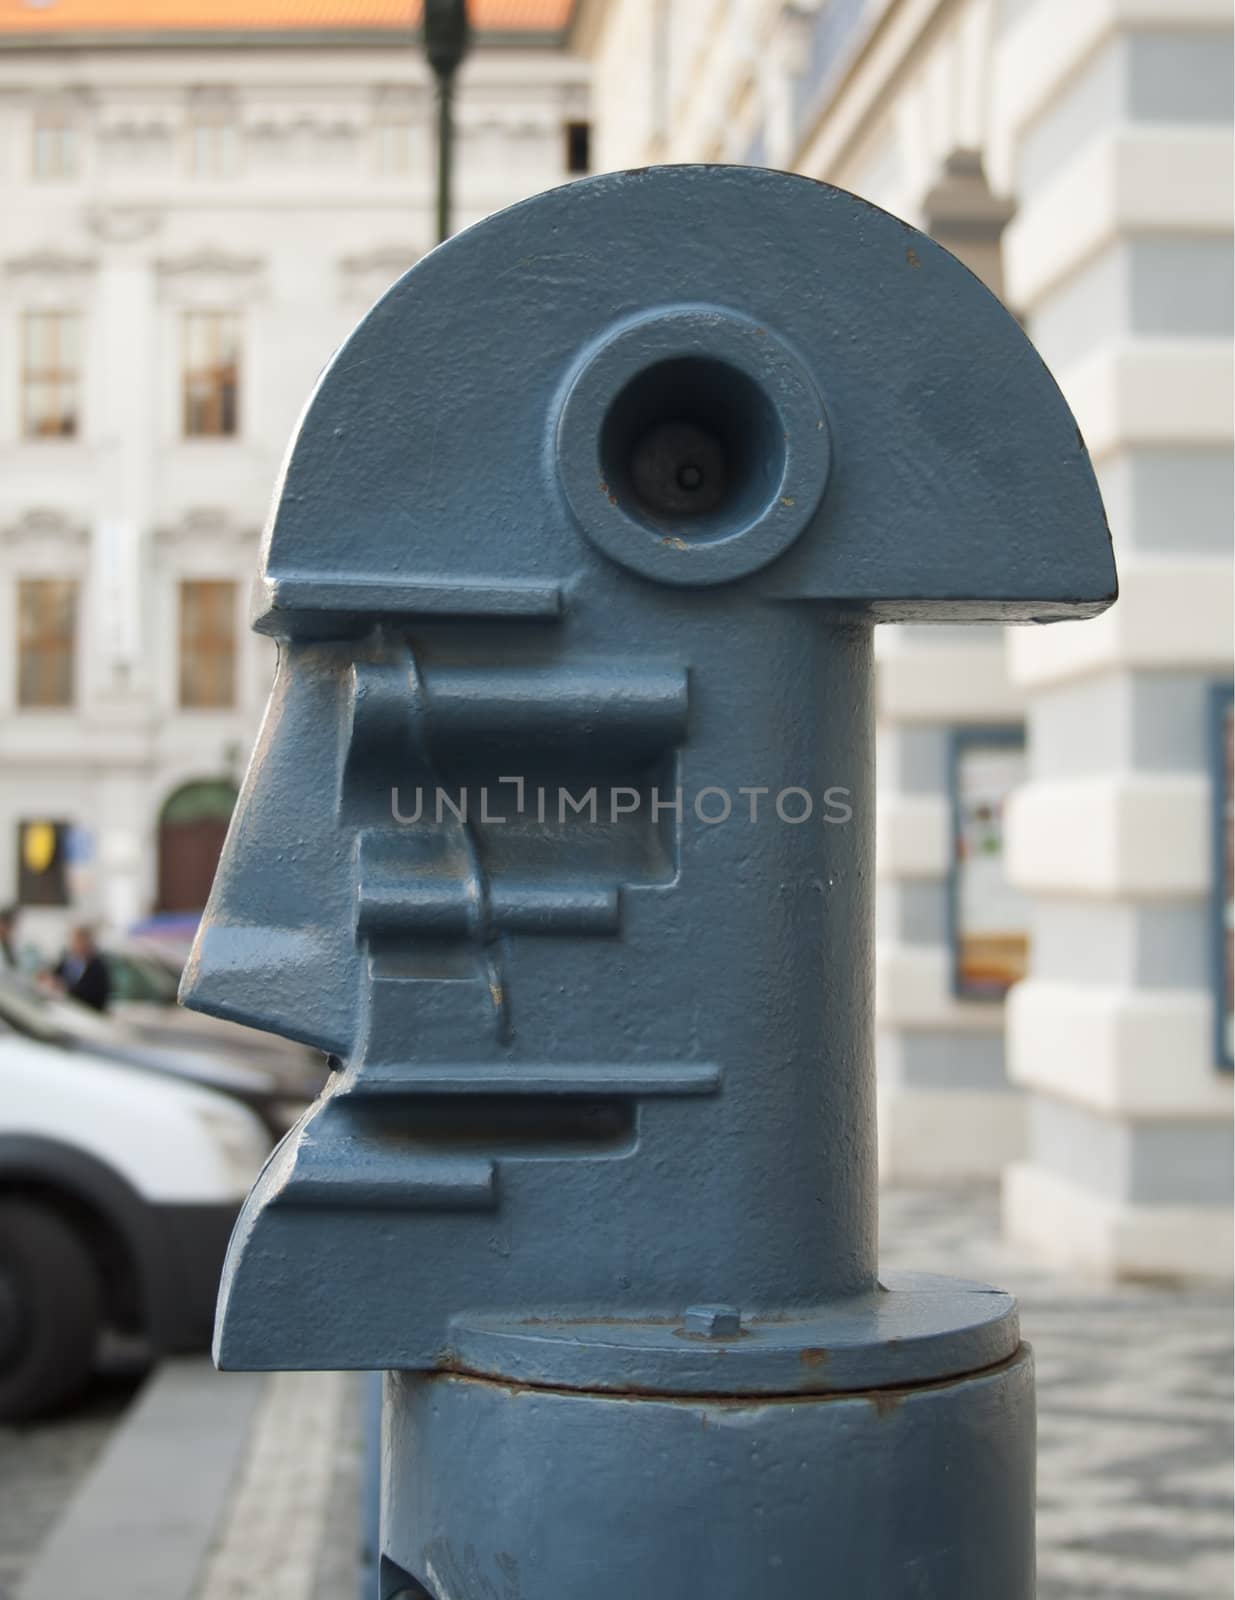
column 209, row 276
column 208, row 261
column 43, row 526
column 399, row 99
column 317, row 121
column 123, row 224
column 365, row 277
column 211, row 528
column 57, row 266
column 212, row 100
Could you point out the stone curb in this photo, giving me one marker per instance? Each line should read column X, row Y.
column 142, row 1524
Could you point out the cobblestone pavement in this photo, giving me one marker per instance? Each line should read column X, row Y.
column 1134, row 1409
column 42, row 1463
column 1135, row 1437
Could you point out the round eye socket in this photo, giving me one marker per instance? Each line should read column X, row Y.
column 692, row 446
column 679, row 470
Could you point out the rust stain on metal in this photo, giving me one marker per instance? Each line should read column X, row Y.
column 886, row 1402
column 676, row 544
column 596, row 1322
column 912, row 257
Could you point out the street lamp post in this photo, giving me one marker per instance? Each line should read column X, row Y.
column 446, row 39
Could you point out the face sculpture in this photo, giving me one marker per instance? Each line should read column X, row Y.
column 603, row 500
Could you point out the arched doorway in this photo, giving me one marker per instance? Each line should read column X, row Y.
column 192, row 827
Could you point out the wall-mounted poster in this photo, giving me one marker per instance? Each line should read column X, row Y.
column 989, row 916
column 1222, row 763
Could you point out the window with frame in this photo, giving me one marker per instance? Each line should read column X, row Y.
column 207, row 643
column 214, row 144
column 578, row 147
column 396, row 140
column 211, row 373
column 50, row 362
column 53, row 145
column 46, row 642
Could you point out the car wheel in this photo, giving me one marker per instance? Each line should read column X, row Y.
column 51, row 1310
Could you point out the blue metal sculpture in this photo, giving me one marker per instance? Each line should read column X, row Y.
column 558, row 836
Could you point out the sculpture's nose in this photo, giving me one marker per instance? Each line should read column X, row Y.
column 275, row 948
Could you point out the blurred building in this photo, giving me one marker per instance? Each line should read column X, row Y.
column 1077, row 155
column 199, row 199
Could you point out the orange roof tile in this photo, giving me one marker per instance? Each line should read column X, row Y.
column 264, row 16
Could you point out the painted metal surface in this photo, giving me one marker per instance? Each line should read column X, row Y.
column 559, row 837
column 370, row 1485
column 849, row 1498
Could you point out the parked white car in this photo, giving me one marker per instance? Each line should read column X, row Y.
column 118, row 1189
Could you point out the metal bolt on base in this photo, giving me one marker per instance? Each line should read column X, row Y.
column 712, row 1322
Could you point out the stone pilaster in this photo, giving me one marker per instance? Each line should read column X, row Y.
column 1114, row 132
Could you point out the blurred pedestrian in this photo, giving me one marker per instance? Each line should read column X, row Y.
column 82, row 973
column 8, row 938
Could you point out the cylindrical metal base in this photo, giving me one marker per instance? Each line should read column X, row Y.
column 500, row 1492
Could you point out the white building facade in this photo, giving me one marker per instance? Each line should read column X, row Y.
column 190, row 223
column 1113, row 125
column 1077, row 154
